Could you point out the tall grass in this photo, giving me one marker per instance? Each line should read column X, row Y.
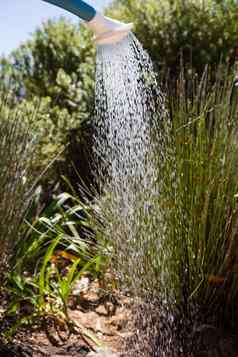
column 200, row 207
column 180, row 252
column 16, row 179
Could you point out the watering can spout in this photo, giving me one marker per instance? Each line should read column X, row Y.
column 106, row 30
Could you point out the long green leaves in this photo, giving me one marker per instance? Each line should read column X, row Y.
column 202, row 219
column 56, row 251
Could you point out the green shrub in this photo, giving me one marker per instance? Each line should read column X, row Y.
column 203, row 32
column 54, row 72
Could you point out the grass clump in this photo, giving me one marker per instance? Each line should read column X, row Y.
column 201, row 208
column 16, row 179
column 177, row 249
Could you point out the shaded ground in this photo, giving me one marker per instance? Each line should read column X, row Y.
column 217, row 343
column 100, row 324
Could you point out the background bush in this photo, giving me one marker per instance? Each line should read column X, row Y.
column 54, row 72
column 204, row 32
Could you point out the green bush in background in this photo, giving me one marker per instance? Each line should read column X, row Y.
column 54, row 72
column 203, row 32
column 57, row 64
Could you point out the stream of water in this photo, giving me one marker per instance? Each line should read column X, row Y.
column 130, row 110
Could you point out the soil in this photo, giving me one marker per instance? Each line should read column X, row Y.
column 101, row 324
column 217, row 343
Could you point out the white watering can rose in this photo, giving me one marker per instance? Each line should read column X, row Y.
column 106, row 30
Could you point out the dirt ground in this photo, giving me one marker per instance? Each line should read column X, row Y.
column 100, row 323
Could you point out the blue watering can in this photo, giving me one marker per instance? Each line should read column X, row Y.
column 106, row 30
